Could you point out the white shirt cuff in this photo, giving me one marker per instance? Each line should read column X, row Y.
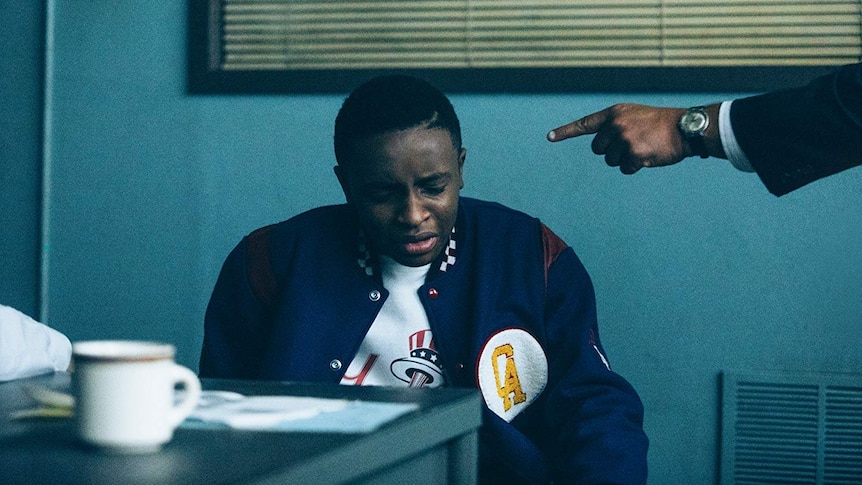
column 728, row 140
column 29, row 348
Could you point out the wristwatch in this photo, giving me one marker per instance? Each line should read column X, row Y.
column 692, row 124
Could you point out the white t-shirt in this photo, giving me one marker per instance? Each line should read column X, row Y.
column 398, row 349
column 29, row 348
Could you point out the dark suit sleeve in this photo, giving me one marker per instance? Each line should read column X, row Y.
column 796, row 136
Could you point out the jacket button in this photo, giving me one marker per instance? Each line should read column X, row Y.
column 335, row 364
column 374, row 295
column 432, row 293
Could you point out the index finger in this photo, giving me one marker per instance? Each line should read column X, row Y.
column 585, row 126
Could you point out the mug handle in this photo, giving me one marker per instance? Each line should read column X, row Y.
column 192, row 394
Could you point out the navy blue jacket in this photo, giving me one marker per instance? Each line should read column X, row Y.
column 796, row 136
column 292, row 303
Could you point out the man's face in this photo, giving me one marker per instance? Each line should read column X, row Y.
column 404, row 187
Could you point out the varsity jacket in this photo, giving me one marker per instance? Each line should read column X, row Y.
column 512, row 312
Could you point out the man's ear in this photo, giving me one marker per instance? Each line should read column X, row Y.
column 342, row 179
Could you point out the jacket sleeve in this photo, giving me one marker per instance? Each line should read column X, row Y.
column 595, row 417
column 794, row 137
column 234, row 323
column 28, row 347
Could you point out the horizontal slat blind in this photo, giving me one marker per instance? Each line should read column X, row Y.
column 762, row 32
column 375, row 34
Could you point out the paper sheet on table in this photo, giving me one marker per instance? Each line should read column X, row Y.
column 220, row 409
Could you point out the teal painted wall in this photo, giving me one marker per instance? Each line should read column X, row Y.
column 697, row 268
column 21, row 67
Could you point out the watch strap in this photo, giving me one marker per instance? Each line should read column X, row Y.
column 698, row 146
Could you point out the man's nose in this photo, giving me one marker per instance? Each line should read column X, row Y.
column 413, row 211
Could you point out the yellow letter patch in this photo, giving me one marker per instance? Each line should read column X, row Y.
column 508, row 385
column 512, row 372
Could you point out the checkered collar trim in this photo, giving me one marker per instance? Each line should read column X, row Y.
column 449, row 252
column 366, row 261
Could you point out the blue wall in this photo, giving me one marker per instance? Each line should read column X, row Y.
column 697, row 268
column 21, row 70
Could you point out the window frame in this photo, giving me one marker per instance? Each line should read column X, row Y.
column 204, row 77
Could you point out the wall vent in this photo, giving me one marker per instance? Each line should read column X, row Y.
column 787, row 428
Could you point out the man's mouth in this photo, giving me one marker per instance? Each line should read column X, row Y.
column 417, row 245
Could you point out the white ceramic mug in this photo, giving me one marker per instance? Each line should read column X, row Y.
column 125, row 398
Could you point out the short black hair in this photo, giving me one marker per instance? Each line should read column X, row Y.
column 391, row 103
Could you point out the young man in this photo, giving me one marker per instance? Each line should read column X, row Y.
column 408, row 284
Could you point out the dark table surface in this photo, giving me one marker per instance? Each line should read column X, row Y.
column 45, row 450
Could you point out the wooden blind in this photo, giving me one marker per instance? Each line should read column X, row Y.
column 279, row 35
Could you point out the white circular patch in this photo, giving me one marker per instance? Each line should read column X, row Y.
column 512, row 371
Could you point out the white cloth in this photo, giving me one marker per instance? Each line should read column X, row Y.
column 29, row 348
column 728, row 140
column 399, row 341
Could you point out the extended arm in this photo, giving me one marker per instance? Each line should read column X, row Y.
column 789, row 137
column 634, row 136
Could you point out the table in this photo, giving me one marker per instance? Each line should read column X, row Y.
column 437, row 443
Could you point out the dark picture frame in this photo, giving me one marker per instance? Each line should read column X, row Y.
column 205, row 76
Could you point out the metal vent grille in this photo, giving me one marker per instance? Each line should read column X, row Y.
column 843, row 435
column 791, row 428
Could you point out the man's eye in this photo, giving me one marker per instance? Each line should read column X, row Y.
column 381, row 196
column 435, row 189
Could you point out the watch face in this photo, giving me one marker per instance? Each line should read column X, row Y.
column 693, row 122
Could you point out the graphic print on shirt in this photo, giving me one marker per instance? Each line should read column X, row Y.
column 512, row 371
column 416, row 363
column 422, row 368
column 359, row 378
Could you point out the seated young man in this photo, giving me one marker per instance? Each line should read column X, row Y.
column 409, row 284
